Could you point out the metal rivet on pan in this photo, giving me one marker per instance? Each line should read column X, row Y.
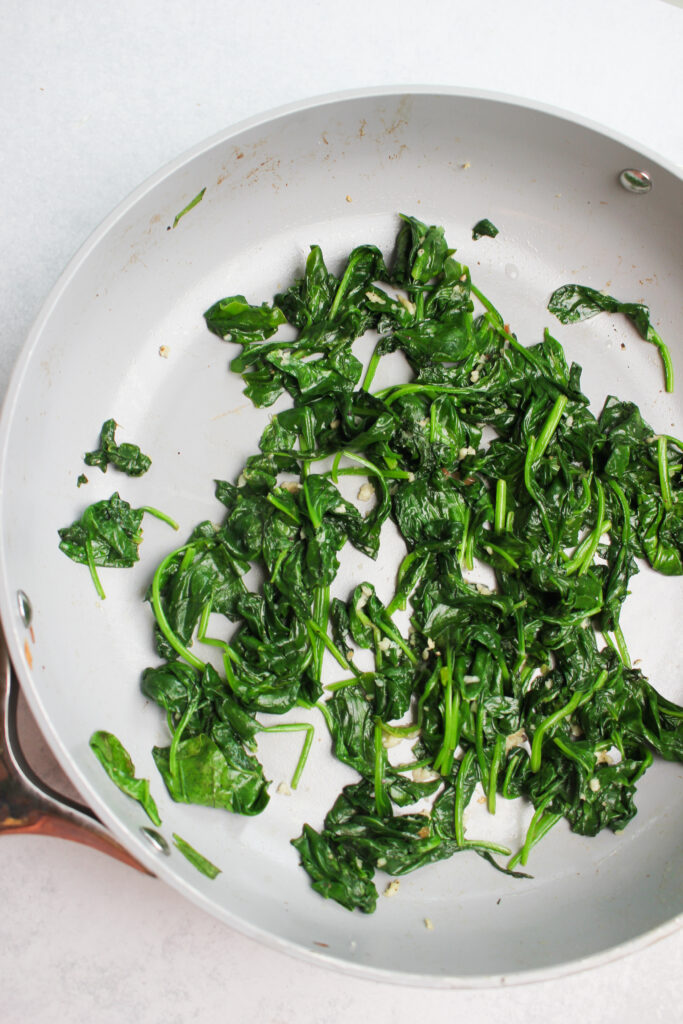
column 635, row 181
column 25, row 609
column 156, row 840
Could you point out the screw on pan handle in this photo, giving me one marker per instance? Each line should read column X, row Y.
column 27, row 805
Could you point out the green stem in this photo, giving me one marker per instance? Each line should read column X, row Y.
column 550, row 426
column 399, row 599
column 503, row 554
column 493, row 773
column 327, row 715
column 462, row 550
column 93, row 571
column 530, row 485
column 410, row 766
column 429, row 686
column 459, row 804
column 663, row 465
column 621, row 646
column 164, row 625
column 312, row 626
column 159, row 515
column 451, row 701
column 342, row 684
column 177, row 735
column 228, row 654
column 392, row 394
column 577, row 699
column 484, row 844
column 597, row 532
column 291, row 513
column 625, row 510
column 400, row 731
column 321, row 607
column 316, row 521
column 540, row 828
column 479, row 746
column 305, row 750
column 372, row 368
column 654, row 339
column 388, row 474
column 512, row 764
column 382, row 802
column 487, row 304
column 501, row 497
column 341, row 288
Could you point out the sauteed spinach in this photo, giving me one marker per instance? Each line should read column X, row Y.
column 482, row 228
column 126, row 457
column 488, row 457
column 195, row 858
column 107, row 534
column 119, row 766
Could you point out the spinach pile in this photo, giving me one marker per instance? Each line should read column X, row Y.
column 526, row 687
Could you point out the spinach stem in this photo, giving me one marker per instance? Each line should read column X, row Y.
column 484, row 844
column 159, row 515
column 312, row 625
column 382, row 802
column 621, row 646
column 359, row 680
column 653, row 337
column 400, row 731
column 493, row 773
column 321, row 608
column 459, row 803
column 503, row 554
column 228, row 654
column 479, row 745
column 539, row 827
column 179, row 730
column 164, row 625
column 487, row 304
column 462, row 550
column 530, row 485
column 341, row 287
column 280, row 505
column 511, row 767
column 663, row 466
column 499, row 514
column 316, row 521
column 392, row 394
column 306, row 727
column 578, row 698
column 93, row 571
column 372, row 368
column 443, row 762
column 399, row 599
column 549, row 427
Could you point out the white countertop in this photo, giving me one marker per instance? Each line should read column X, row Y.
column 95, row 98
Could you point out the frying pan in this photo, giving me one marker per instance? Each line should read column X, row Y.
column 122, row 336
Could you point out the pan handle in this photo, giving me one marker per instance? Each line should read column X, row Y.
column 27, row 804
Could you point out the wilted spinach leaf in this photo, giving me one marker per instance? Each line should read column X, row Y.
column 126, row 457
column 484, row 227
column 118, row 765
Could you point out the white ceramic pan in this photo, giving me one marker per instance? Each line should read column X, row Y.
column 335, row 172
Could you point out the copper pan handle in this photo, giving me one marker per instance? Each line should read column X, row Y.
column 28, row 805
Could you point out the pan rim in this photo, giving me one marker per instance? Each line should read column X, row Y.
column 7, row 598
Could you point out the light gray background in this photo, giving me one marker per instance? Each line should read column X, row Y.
column 95, row 97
